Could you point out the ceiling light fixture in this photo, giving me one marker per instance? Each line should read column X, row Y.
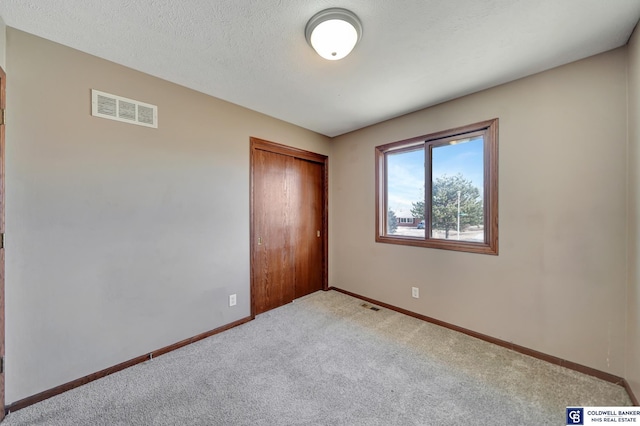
column 333, row 33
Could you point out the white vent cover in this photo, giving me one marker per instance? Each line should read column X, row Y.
column 122, row 109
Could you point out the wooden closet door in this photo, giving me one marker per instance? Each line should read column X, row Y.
column 308, row 248
column 288, row 224
column 274, row 271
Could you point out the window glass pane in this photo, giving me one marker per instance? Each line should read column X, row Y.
column 460, row 211
column 457, row 193
column 405, row 193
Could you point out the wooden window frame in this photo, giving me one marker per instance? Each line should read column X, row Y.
column 489, row 130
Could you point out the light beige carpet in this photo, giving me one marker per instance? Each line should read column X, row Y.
column 537, row 381
column 326, row 360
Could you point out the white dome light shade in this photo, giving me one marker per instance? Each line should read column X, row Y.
column 334, row 39
column 333, row 33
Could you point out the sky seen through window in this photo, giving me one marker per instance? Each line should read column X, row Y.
column 406, row 170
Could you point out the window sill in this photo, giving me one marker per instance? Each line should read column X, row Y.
column 463, row 246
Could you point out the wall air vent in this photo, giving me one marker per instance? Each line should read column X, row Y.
column 122, row 109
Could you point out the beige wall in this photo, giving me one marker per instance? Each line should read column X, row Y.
column 120, row 239
column 3, row 45
column 559, row 283
column 633, row 291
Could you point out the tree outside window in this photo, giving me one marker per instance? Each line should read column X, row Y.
column 449, row 183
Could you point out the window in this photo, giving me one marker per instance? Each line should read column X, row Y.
column 449, row 182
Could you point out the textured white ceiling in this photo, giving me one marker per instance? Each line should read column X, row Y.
column 413, row 54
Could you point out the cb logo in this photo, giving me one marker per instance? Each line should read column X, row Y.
column 574, row 416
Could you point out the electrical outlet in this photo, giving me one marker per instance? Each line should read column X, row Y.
column 415, row 292
column 232, row 300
